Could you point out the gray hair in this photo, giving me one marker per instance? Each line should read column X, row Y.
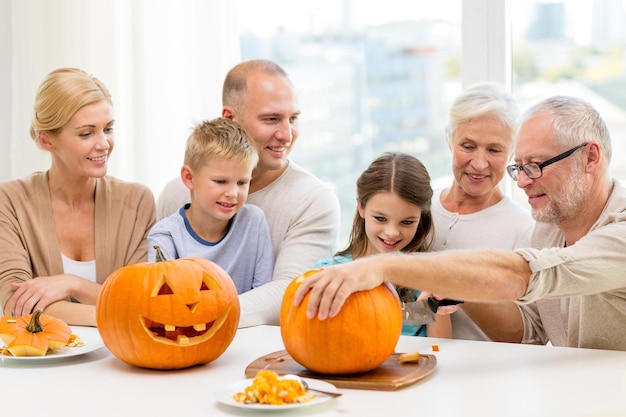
column 483, row 99
column 575, row 122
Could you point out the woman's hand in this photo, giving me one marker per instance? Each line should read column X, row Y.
column 39, row 293
column 333, row 285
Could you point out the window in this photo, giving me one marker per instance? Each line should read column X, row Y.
column 375, row 77
column 574, row 48
column 369, row 79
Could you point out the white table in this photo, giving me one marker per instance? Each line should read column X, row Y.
column 471, row 379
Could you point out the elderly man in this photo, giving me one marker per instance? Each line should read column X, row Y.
column 302, row 212
column 570, row 288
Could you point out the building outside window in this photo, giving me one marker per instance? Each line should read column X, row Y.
column 373, row 79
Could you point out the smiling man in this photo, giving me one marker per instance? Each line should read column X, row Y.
column 569, row 288
column 302, row 212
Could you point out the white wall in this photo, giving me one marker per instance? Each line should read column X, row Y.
column 164, row 62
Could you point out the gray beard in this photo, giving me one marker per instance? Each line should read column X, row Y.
column 566, row 204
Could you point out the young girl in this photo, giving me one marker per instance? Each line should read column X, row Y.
column 393, row 214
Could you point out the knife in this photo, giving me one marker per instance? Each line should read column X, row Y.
column 424, row 311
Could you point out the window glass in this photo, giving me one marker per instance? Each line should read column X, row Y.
column 574, row 48
column 370, row 79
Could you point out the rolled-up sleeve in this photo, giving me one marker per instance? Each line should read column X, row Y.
column 594, row 264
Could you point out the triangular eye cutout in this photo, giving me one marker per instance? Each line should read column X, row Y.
column 165, row 289
column 209, row 283
column 162, row 288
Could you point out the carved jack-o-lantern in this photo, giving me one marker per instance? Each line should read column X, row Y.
column 170, row 314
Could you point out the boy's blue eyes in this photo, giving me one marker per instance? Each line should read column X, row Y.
column 225, row 182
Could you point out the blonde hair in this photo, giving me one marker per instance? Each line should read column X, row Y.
column 219, row 137
column 60, row 95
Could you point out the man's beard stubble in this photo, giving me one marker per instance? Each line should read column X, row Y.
column 567, row 203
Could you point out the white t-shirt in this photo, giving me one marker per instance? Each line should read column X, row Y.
column 85, row 270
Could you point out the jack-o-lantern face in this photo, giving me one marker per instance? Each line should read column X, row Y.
column 178, row 313
column 168, row 314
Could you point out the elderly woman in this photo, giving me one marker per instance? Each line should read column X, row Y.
column 63, row 231
column 473, row 213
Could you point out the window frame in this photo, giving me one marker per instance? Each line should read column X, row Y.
column 486, row 42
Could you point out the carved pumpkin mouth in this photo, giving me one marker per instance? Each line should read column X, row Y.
column 183, row 335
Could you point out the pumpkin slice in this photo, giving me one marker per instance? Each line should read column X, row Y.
column 7, row 323
column 34, row 334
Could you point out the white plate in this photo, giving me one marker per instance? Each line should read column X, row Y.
column 89, row 335
column 225, row 395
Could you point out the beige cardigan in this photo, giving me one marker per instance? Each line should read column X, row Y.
column 124, row 214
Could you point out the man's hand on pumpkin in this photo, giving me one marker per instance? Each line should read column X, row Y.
column 333, row 285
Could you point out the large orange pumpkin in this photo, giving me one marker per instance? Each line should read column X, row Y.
column 360, row 338
column 170, row 314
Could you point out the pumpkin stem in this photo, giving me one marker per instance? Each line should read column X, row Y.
column 34, row 326
column 159, row 254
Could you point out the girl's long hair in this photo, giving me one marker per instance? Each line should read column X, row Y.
column 405, row 176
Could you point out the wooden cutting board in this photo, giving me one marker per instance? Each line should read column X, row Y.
column 389, row 376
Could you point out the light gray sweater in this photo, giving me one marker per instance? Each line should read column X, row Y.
column 244, row 252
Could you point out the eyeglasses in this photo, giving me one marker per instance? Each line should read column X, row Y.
column 534, row 170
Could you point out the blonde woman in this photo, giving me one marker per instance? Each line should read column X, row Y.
column 63, row 231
